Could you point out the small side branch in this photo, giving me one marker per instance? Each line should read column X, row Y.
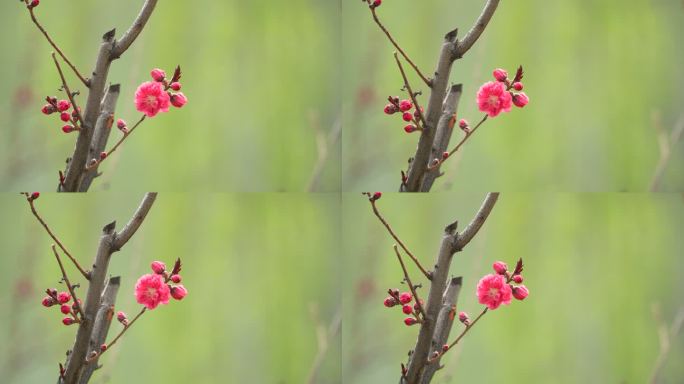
column 31, row 202
column 427, row 81
column 458, row 146
column 471, row 230
column 132, row 33
column 427, row 274
column 409, row 90
column 409, row 283
column 471, row 37
column 94, row 164
column 65, row 86
column 138, row 217
column 54, row 45
column 70, row 287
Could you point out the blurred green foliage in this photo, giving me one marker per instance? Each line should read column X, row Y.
column 600, row 77
column 255, row 265
column 595, row 264
column 260, row 81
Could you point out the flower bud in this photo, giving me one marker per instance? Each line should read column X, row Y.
column 518, row 86
column 63, row 105
column 158, row 75
column 63, row 297
column 389, row 302
column 65, row 309
column 178, row 292
column 518, row 279
column 500, row 267
column 405, row 105
column 405, row 297
column 158, row 267
column 407, row 309
column 407, row 116
column 389, row 109
column 410, row 321
column 176, row 86
column 68, row 321
column 500, row 74
column 520, row 292
column 520, row 99
column 176, row 278
column 410, row 128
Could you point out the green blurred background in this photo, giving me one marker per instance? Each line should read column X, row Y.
column 261, row 271
column 261, row 79
column 596, row 264
column 600, row 76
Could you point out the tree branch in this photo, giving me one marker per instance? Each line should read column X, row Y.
column 471, row 37
column 65, row 86
column 67, row 282
column 421, row 310
column 451, row 50
column 110, row 242
column 452, row 242
column 103, row 127
column 132, row 33
column 443, row 134
column 54, row 45
column 31, row 202
column 427, row 274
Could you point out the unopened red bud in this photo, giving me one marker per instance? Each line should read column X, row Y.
column 34, row 3
column 176, row 86
column 518, row 279
column 463, row 123
column 376, row 3
column 47, row 109
column 178, row 292
column 376, row 196
column 176, row 278
column 410, row 128
column 394, row 292
column 63, row 105
column 48, row 301
column 407, row 116
column 34, row 195
column 405, row 297
column 390, row 109
column 120, row 123
column 500, row 74
column 389, row 302
column 103, row 155
column 103, row 347
column 68, row 321
column 500, row 267
column 65, row 309
column 518, row 86
column 417, row 305
column 520, row 100
column 158, row 267
column 51, row 291
column 68, row 128
column 463, row 317
column 407, row 309
column 445, row 155
column 520, row 292
column 445, row 347
column 75, row 304
column 65, row 116
column 121, row 316
column 416, row 114
column 158, row 74
column 63, row 297
column 410, row 321
column 405, row 105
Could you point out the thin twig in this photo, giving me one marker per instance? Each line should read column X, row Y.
column 54, row 45
column 463, row 333
column 85, row 274
column 67, row 90
column 458, row 146
column 324, row 343
column 427, row 274
column 111, row 343
column 408, row 89
column 396, row 45
column 409, row 283
column 68, row 283
column 666, row 337
column 97, row 162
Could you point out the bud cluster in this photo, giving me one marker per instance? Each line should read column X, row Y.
column 62, row 299
column 404, row 107
column 62, row 107
column 403, row 300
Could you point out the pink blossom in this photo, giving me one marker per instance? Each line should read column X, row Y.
column 150, row 290
column 520, row 99
column 178, row 292
column 493, row 98
column 178, row 100
column 492, row 291
column 150, row 98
